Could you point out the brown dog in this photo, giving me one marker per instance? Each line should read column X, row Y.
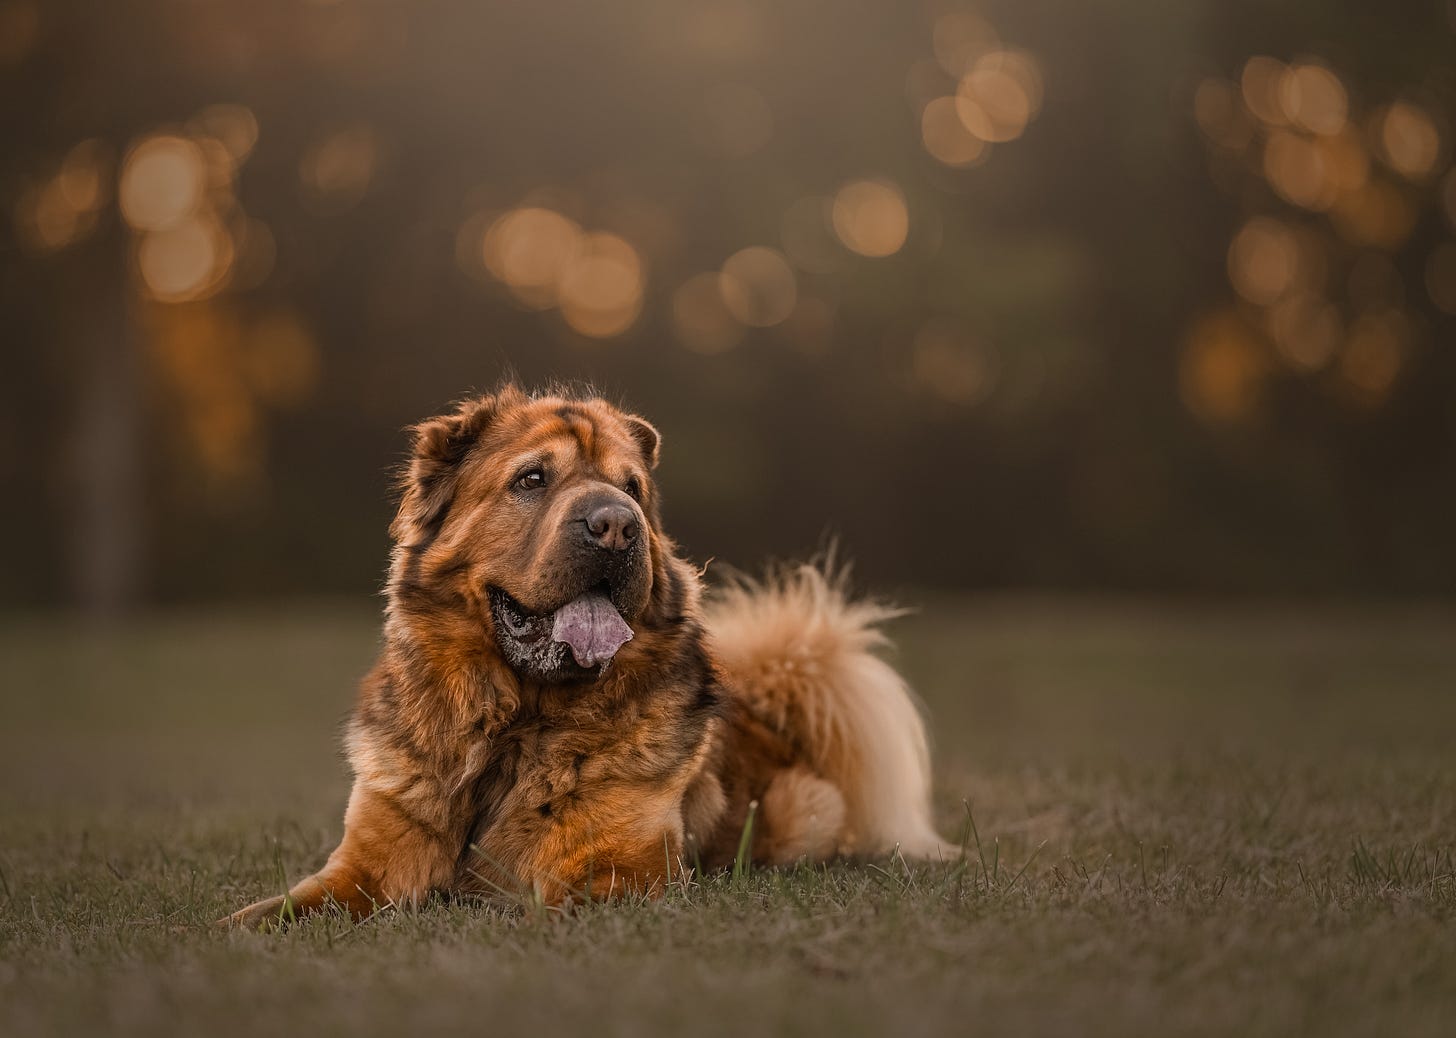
column 555, row 714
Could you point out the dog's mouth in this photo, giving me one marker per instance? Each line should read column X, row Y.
column 588, row 627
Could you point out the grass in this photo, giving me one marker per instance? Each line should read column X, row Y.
column 1180, row 820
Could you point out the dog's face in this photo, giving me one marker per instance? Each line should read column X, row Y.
column 539, row 514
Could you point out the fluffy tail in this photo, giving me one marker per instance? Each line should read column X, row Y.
column 802, row 656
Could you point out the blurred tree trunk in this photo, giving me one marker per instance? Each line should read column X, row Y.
column 108, row 498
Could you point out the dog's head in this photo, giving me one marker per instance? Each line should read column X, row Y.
column 536, row 517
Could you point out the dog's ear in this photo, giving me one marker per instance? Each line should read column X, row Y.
column 647, row 438
column 439, row 446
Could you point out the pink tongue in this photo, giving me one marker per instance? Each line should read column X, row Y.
column 592, row 627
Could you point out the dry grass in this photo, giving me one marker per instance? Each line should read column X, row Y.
column 1231, row 820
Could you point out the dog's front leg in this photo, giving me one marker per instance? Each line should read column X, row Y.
column 626, row 841
column 390, row 855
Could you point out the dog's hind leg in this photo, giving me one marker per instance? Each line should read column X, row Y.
column 804, row 659
column 802, row 818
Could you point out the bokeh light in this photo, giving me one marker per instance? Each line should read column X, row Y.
column 1379, row 214
column 1314, row 99
column 1410, row 143
column 1000, row 95
column 1306, row 329
column 700, row 317
column 1319, row 153
column 870, row 217
column 1375, row 352
column 46, row 218
column 1262, row 86
column 339, row 167
column 85, row 175
column 221, row 372
column 62, row 209
column 1223, row 370
column 946, row 137
column 280, row 360
column 1296, row 168
column 162, row 182
column 545, row 260
column 951, row 365
column 1346, row 161
column 1263, row 260
column 758, row 286
column 185, row 262
column 199, row 352
column 530, row 250
column 233, row 126
column 602, row 285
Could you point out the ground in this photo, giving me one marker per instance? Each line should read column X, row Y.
column 1225, row 819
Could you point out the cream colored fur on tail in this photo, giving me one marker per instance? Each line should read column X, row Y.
column 803, row 656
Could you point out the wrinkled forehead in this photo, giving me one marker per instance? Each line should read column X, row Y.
column 563, row 433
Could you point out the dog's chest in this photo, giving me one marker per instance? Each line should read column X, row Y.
column 555, row 763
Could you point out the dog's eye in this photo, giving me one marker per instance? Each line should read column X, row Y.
column 531, row 479
column 634, row 488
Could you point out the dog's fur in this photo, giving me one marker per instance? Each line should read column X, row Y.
column 485, row 765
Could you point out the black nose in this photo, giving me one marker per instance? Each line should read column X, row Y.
column 613, row 526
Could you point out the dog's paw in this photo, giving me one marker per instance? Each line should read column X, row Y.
column 273, row 913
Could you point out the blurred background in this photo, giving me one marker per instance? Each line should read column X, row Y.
column 1127, row 295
